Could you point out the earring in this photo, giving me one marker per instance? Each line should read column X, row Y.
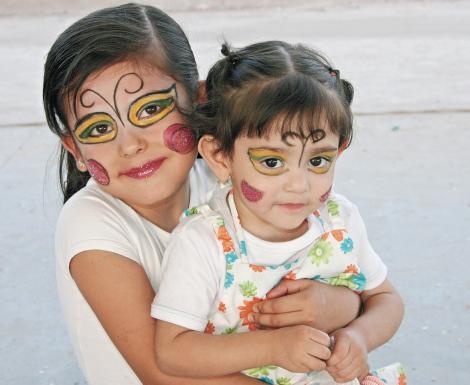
column 228, row 182
column 81, row 166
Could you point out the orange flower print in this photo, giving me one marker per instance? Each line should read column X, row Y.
column 210, row 329
column 338, row 235
column 402, row 379
column 352, row 269
column 290, row 275
column 222, row 307
column 246, row 310
column 222, row 235
column 324, row 236
column 257, row 269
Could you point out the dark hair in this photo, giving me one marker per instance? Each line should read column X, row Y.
column 100, row 39
column 273, row 81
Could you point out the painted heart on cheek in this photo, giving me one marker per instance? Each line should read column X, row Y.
column 179, row 138
column 250, row 193
column 98, row 172
column 325, row 196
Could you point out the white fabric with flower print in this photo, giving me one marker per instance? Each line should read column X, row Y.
column 211, row 279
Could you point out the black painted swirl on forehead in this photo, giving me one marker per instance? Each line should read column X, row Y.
column 113, row 106
column 314, row 135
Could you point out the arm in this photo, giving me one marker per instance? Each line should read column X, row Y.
column 120, row 294
column 306, row 302
column 185, row 352
column 383, row 313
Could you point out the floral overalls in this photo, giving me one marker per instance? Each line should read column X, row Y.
column 330, row 258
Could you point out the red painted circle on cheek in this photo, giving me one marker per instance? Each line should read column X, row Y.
column 179, row 138
column 250, row 193
column 98, row 172
column 325, row 196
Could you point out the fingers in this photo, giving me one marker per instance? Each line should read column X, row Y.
column 286, row 286
column 276, row 320
column 355, row 369
column 286, row 304
column 340, row 351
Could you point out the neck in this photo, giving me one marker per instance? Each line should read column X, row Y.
column 166, row 213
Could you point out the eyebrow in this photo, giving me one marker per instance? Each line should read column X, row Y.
column 324, row 149
column 273, row 149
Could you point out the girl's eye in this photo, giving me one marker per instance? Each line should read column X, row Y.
column 272, row 163
column 319, row 164
column 151, row 108
column 96, row 128
column 99, row 130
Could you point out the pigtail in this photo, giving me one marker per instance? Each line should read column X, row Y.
column 348, row 90
column 71, row 179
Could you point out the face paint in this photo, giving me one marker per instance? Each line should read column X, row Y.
column 325, row 196
column 127, row 90
column 268, row 161
column 153, row 107
column 179, row 138
column 321, row 163
column 98, row 172
column 250, row 193
column 315, row 136
column 95, row 128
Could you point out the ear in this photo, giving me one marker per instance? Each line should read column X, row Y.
column 217, row 161
column 201, row 92
column 70, row 145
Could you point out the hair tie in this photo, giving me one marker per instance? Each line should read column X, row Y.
column 333, row 72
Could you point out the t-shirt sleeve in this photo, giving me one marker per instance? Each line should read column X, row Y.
column 369, row 262
column 193, row 268
column 89, row 223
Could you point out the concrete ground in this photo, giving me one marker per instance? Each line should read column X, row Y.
column 407, row 170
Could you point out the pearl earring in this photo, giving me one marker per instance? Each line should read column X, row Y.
column 81, row 166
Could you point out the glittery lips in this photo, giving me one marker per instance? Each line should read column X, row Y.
column 179, row 138
column 144, row 171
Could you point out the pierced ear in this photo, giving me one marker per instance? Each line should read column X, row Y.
column 201, row 92
column 217, row 161
column 70, row 145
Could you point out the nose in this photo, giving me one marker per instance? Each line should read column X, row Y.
column 297, row 181
column 131, row 142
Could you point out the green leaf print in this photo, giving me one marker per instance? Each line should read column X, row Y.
column 333, row 208
column 283, row 381
column 229, row 330
column 321, row 252
column 260, row 371
column 248, row 289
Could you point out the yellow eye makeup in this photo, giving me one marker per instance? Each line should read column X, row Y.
column 96, row 128
column 267, row 161
column 151, row 108
column 321, row 163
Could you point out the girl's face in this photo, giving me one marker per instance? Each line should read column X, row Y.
column 279, row 182
column 127, row 128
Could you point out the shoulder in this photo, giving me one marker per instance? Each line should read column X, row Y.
column 338, row 205
column 94, row 220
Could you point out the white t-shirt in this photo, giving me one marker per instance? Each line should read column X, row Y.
column 94, row 220
column 194, row 267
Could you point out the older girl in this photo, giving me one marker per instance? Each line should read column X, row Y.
column 120, row 86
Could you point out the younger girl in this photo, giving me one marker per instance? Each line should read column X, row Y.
column 120, row 86
column 277, row 118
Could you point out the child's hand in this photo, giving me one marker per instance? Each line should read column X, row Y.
column 349, row 357
column 301, row 348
